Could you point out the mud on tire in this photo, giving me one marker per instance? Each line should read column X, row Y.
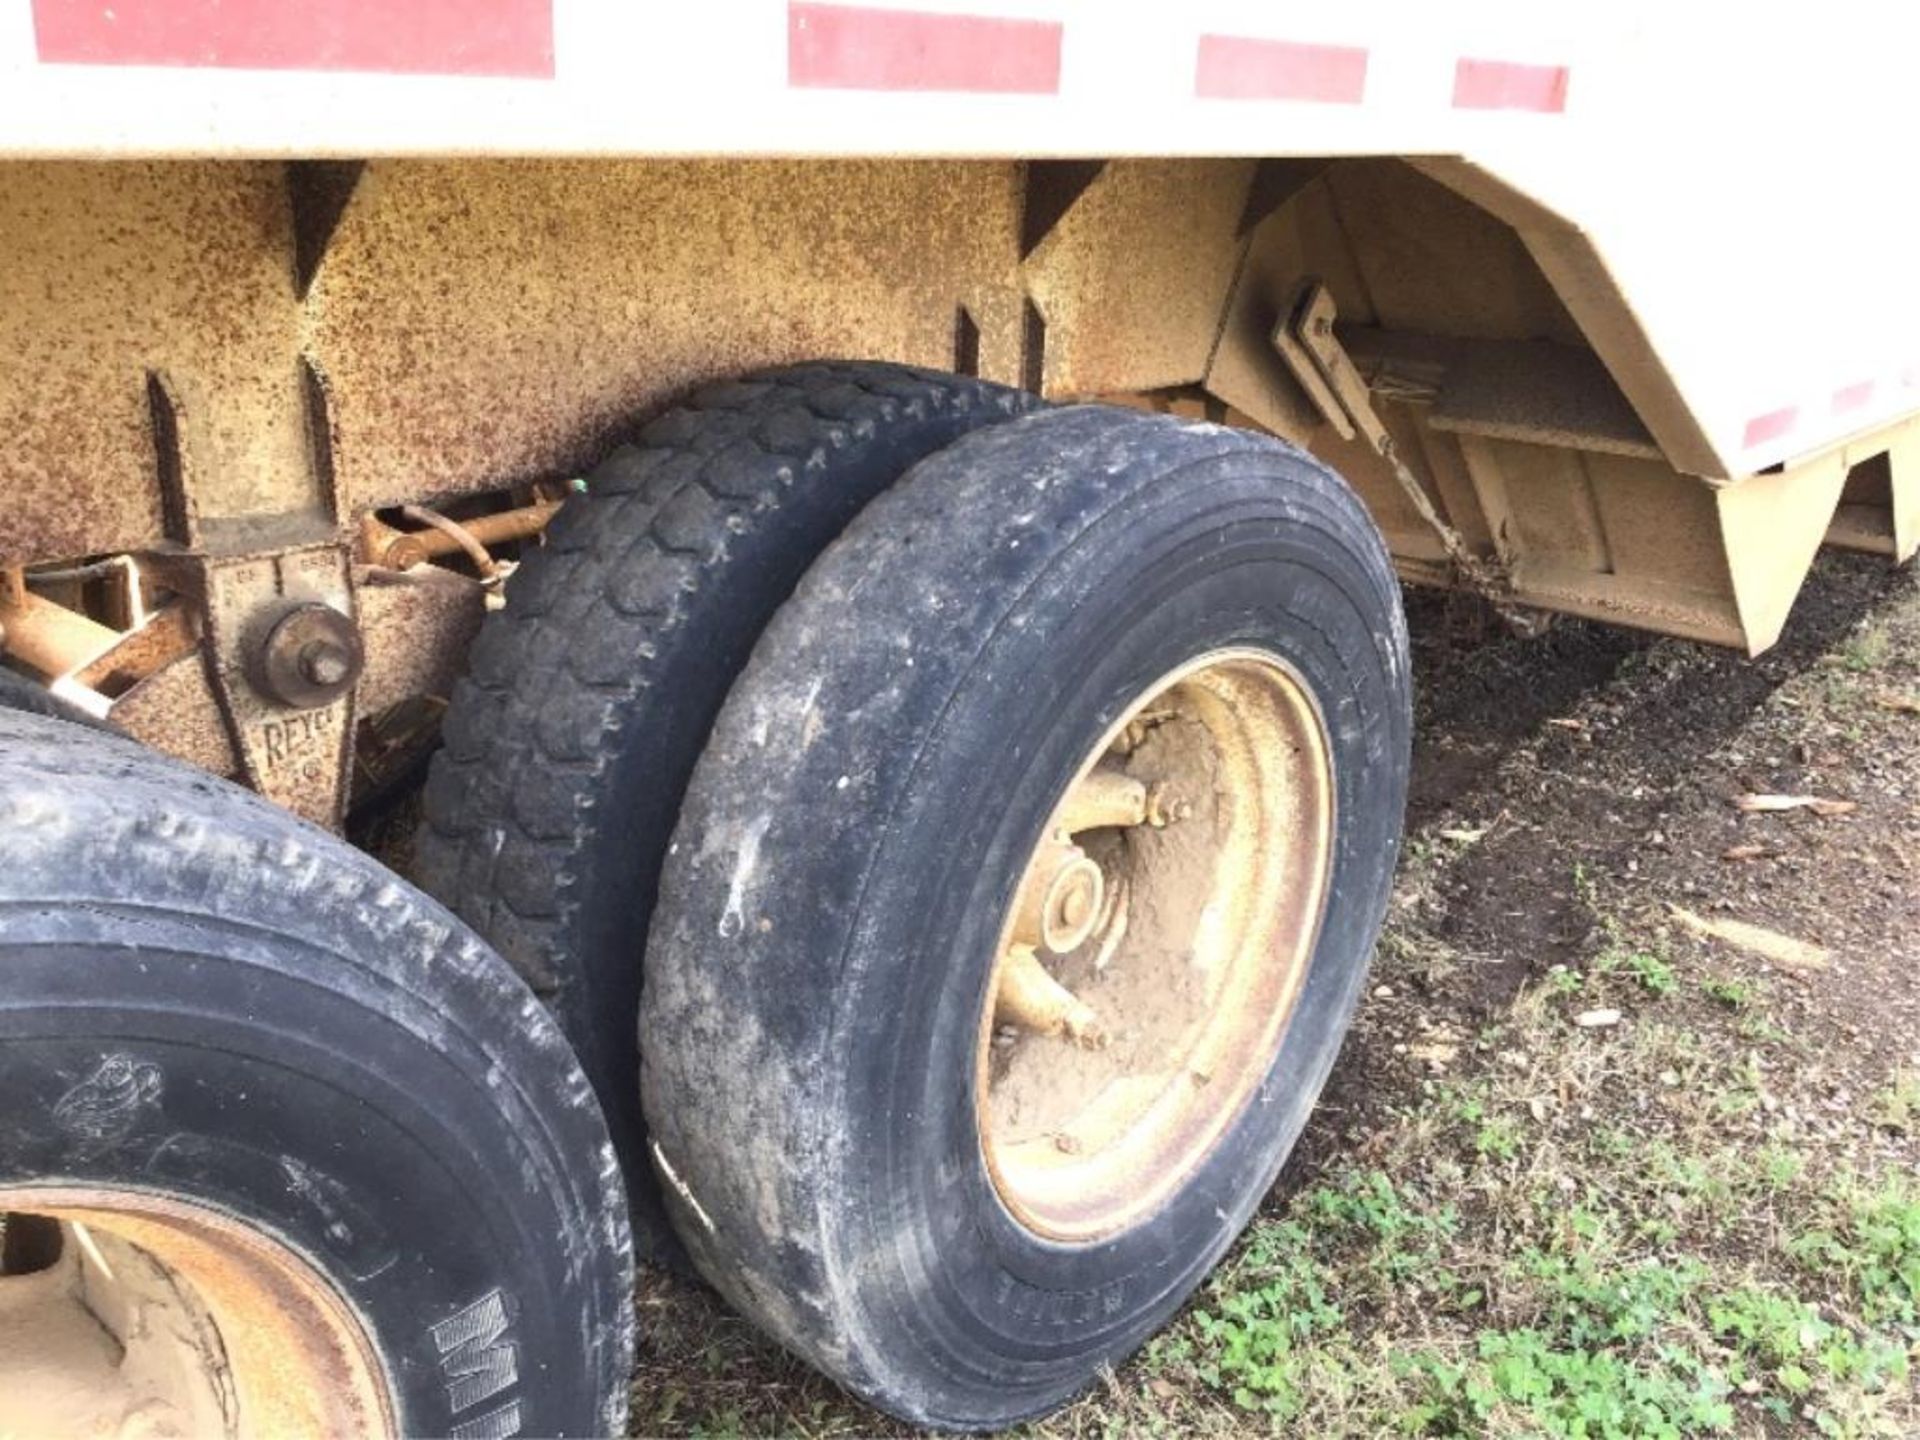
column 828, row 918
column 569, row 744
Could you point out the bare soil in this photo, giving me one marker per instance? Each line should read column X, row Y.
column 1609, row 763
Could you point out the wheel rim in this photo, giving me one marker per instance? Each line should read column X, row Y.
column 144, row 1315
column 1156, row 946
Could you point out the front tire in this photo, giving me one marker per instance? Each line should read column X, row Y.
column 828, row 955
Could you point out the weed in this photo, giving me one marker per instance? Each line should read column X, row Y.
column 1564, row 981
column 1866, row 649
column 1654, row 973
column 1778, row 1167
column 1249, row 1339
column 1520, row 1381
column 1494, row 1135
column 1763, row 1029
column 1733, row 993
column 1897, row 1107
column 1884, row 1251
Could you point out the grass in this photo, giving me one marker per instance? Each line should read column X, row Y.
column 1511, row 1263
column 1619, row 1231
column 1652, row 971
column 1592, row 1233
column 1897, row 1107
column 1671, row 1225
column 1868, row 648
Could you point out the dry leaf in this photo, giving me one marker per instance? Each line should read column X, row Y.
column 1818, row 804
column 1904, row 704
column 1747, row 852
column 1596, row 1019
column 1566, row 722
column 1756, row 940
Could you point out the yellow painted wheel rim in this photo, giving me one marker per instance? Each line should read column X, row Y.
column 153, row 1316
column 1156, row 947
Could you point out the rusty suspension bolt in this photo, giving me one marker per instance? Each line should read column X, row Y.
column 310, row 656
column 325, row 664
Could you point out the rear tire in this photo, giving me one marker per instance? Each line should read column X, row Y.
column 832, row 911
column 569, row 745
column 210, row 1009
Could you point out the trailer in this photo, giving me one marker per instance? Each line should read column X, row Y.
column 881, row 527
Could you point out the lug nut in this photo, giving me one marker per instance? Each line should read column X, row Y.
column 1164, row 807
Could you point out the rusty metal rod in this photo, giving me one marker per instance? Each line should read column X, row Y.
column 454, row 531
column 51, row 638
column 414, row 546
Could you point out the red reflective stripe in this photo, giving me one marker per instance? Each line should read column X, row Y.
column 855, row 47
column 1852, row 397
column 1237, row 67
column 418, row 37
column 1771, row 426
column 1503, row 85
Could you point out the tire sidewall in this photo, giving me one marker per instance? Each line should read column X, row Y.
column 206, row 1001
column 1211, row 559
column 355, row 1163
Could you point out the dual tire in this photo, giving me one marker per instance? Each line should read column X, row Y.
column 569, row 744
column 806, row 749
column 795, row 704
column 853, row 840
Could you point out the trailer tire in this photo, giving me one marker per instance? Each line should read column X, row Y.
column 249, row 1051
column 814, row 1049
column 569, row 744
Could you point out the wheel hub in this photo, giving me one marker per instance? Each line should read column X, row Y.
column 140, row 1315
column 1156, row 946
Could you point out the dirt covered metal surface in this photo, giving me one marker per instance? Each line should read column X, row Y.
column 628, row 282
column 1579, row 1163
column 128, row 287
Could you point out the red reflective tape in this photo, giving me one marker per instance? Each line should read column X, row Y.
column 416, row 37
column 1237, row 67
column 1503, row 85
column 855, row 47
column 1852, row 397
column 1771, row 426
